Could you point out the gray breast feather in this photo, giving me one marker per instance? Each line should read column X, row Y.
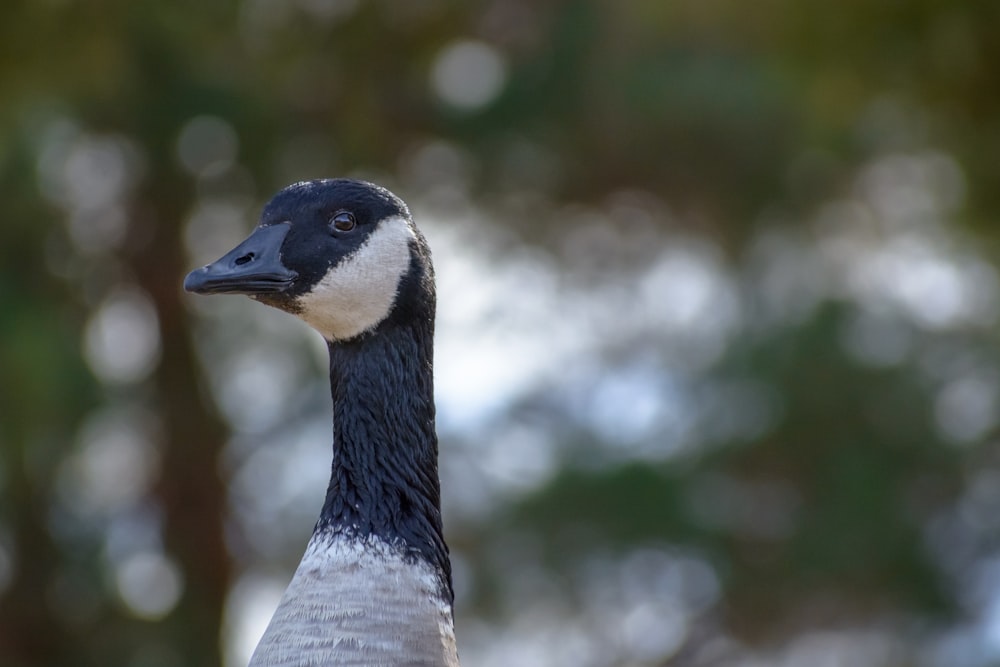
column 359, row 604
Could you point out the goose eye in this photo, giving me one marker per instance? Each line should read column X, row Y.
column 343, row 221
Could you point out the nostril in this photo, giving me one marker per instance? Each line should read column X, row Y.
column 240, row 261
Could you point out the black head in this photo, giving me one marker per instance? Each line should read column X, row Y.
column 341, row 254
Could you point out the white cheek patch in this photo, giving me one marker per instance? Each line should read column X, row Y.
column 358, row 293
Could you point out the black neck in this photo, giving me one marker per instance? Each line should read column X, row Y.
column 385, row 475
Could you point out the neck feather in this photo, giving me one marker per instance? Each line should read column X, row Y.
column 384, row 482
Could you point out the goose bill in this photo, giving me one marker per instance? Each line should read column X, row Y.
column 252, row 267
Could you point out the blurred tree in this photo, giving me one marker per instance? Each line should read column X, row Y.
column 844, row 502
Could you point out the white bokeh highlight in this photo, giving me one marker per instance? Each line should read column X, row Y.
column 149, row 584
column 468, row 74
column 121, row 342
column 207, row 145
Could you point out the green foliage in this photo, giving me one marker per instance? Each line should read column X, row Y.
column 738, row 117
column 855, row 470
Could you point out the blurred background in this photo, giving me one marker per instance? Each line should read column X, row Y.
column 717, row 365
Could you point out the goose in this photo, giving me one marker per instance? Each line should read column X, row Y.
column 374, row 585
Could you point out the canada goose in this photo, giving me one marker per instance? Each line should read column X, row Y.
column 374, row 585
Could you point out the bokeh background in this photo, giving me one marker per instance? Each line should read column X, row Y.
column 717, row 364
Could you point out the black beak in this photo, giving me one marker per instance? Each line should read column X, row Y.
column 252, row 267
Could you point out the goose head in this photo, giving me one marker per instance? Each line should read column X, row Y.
column 343, row 255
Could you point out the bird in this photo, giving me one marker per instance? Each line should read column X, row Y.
column 374, row 586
